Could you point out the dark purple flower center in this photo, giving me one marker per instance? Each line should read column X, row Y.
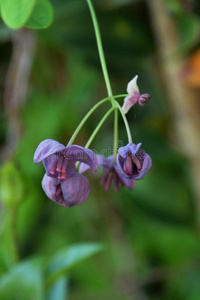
column 143, row 99
column 133, row 164
column 60, row 166
column 109, row 177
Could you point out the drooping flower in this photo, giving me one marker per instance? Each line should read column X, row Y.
column 134, row 96
column 112, row 174
column 60, row 161
column 68, row 192
column 132, row 162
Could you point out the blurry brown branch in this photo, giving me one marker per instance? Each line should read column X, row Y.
column 183, row 101
column 16, row 85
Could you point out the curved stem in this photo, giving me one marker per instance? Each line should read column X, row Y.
column 98, row 127
column 125, row 122
column 100, row 48
column 121, row 96
column 96, row 131
column 85, row 119
column 115, row 133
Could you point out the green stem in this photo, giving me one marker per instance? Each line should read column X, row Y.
column 100, row 48
column 98, row 127
column 115, row 133
column 89, row 114
column 85, row 119
column 121, row 96
column 125, row 122
column 96, row 130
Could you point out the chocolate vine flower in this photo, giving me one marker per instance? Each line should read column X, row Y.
column 132, row 162
column 60, row 161
column 68, row 192
column 112, row 174
column 134, row 96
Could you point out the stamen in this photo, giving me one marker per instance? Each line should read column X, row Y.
column 60, row 175
column 64, row 166
column 104, row 178
column 61, row 201
column 59, row 164
column 116, row 181
column 108, row 181
column 53, row 169
column 58, row 191
column 128, row 165
column 137, row 162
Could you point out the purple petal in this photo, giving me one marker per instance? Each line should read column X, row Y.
column 47, row 148
column 128, row 182
column 131, row 147
column 100, row 159
column 147, row 163
column 129, row 101
column 49, row 186
column 81, row 154
column 75, row 189
column 83, row 168
column 69, row 192
column 106, row 162
column 120, row 163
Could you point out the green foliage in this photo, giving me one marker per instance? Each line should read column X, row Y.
column 11, row 185
column 67, row 258
column 15, row 13
column 22, row 281
column 42, row 15
column 189, row 27
column 32, row 13
column 58, row 290
column 29, row 278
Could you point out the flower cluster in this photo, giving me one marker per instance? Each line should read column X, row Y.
column 63, row 185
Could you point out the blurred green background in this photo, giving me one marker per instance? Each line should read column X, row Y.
column 49, row 79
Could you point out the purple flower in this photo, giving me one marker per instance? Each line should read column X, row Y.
column 134, row 96
column 60, row 161
column 68, row 192
column 132, row 162
column 111, row 174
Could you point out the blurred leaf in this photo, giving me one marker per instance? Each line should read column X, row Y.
column 15, row 13
column 185, row 285
column 189, row 28
column 174, row 5
column 24, row 281
column 164, row 243
column 42, row 15
column 58, row 290
column 69, row 257
column 169, row 202
column 11, row 185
